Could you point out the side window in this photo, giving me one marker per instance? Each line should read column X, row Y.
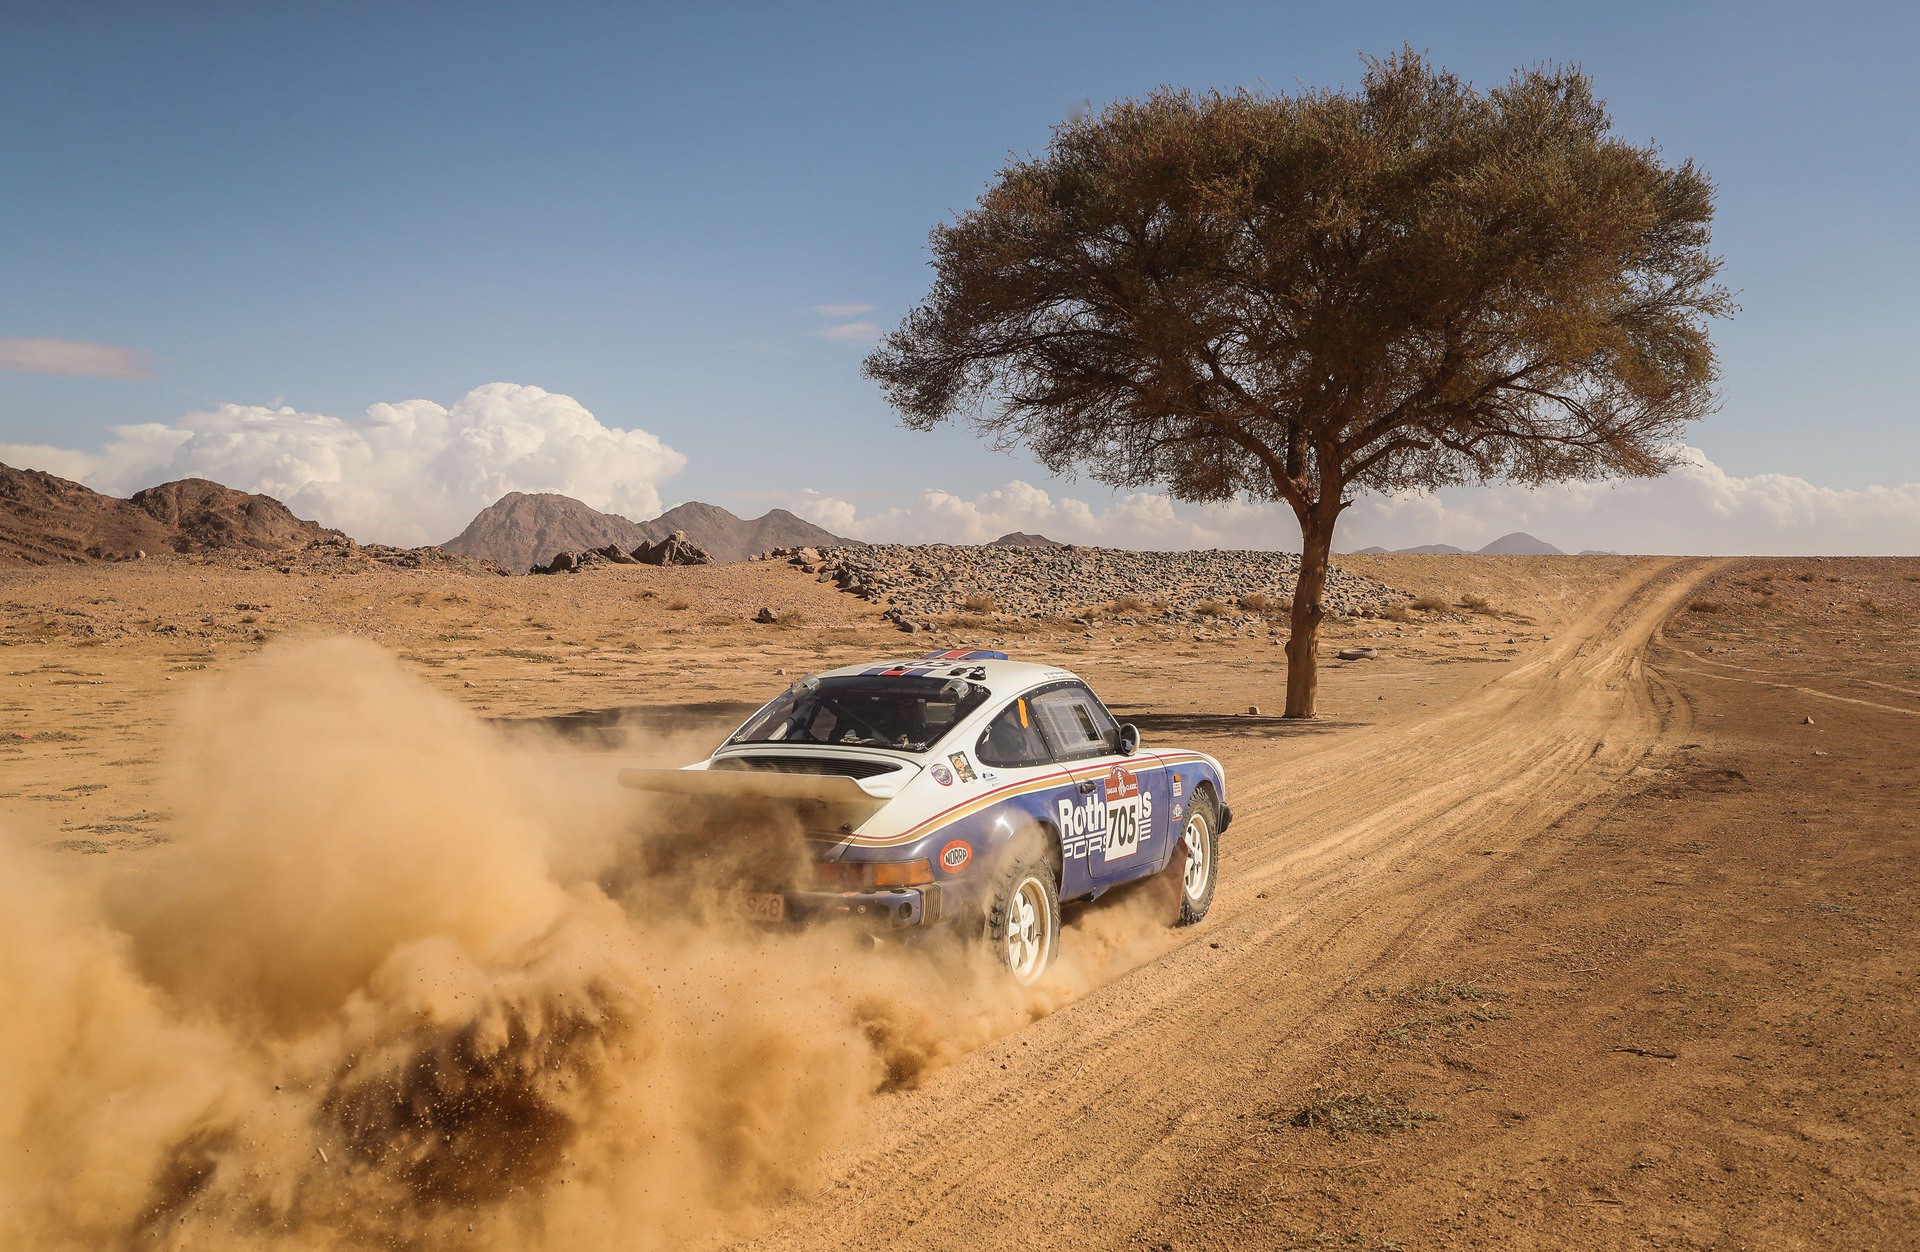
column 1075, row 723
column 1013, row 738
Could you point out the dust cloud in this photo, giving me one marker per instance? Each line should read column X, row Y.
column 405, row 981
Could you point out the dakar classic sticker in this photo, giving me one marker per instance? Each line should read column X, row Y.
column 962, row 766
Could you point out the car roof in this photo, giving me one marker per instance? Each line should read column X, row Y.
column 999, row 675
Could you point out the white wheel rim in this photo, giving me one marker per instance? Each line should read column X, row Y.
column 1027, row 926
column 1199, row 868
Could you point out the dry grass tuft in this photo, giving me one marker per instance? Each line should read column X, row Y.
column 1212, row 608
column 1344, row 1113
column 1476, row 604
column 1430, row 604
column 980, row 602
column 1261, row 602
column 1706, row 606
column 1394, row 613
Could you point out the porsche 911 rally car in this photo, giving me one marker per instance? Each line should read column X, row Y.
column 965, row 789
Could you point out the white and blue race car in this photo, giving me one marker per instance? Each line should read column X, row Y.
column 965, row 789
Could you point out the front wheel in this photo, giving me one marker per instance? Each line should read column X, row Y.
column 1196, row 859
column 1023, row 922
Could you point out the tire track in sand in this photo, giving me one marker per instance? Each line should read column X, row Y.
column 1086, row 1124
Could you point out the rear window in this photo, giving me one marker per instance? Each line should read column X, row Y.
column 906, row 714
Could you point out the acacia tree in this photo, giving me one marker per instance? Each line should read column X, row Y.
column 1292, row 298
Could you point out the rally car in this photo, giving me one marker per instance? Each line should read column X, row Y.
column 964, row 789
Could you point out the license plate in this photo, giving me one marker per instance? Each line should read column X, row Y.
column 760, row 906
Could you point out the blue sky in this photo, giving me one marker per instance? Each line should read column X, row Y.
column 641, row 207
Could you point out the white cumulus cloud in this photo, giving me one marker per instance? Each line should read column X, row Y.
column 1697, row 508
column 409, row 473
column 73, row 358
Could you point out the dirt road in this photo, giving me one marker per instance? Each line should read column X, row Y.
column 1343, row 858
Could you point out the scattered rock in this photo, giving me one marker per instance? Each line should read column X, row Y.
column 765, row 616
column 1806, row 721
column 927, row 582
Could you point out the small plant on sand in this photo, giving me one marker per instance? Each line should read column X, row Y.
column 980, row 602
column 790, row 617
column 1706, row 606
column 1211, row 608
column 1261, row 602
column 1343, row 1113
column 1394, row 613
column 1131, row 605
column 1431, row 604
column 676, row 606
column 1475, row 604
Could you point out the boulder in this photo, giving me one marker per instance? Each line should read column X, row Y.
column 675, row 549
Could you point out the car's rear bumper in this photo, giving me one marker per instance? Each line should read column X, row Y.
column 898, row 906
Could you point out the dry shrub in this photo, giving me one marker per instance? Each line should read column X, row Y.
column 1706, row 606
column 1475, row 604
column 1261, row 602
column 676, row 606
column 980, row 602
column 1394, row 613
column 1134, row 605
column 1342, row 1113
column 1211, row 608
column 1430, row 604
column 790, row 617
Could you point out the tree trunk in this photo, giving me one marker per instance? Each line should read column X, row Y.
column 1303, row 663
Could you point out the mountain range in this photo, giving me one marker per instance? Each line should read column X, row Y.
column 1519, row 543
column 521, row 529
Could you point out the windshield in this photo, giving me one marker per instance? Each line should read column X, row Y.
column 904, row 713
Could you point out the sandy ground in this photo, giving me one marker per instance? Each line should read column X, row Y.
column 1563, row 927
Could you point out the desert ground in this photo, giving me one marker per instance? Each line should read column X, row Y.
column 1588, row 916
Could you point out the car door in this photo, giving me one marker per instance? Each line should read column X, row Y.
column 1119, row 805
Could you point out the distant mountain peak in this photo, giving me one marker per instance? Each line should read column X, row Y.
column 1520, row 543
column 523, row 529
column 1021, row 539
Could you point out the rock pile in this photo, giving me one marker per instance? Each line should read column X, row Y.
column 923, row 583
column 674, row 549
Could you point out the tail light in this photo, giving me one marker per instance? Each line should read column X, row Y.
column 870, row 875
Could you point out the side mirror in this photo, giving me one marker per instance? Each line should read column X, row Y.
column 1129, row 739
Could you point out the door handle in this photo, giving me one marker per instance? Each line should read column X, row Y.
column 1086, row 786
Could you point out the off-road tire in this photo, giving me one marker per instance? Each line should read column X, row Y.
column 1196, row 836
column 1023, row 919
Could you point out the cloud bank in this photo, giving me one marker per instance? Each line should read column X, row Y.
column 1696, row 508
column 408, row 473
column 72, row 358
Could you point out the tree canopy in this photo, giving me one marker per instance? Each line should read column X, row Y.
column 1412, row 285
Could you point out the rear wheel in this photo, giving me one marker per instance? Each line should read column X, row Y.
column 1192, row 870
column 1023, row 921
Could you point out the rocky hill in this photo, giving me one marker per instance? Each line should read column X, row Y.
column 1023, row 539
column 45, row 519
column 520, row 530
column 523, row 529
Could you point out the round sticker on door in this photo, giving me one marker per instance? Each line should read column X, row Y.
column 956, row 855
column 943, row 775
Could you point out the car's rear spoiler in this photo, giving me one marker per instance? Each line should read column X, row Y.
column 849, row 802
